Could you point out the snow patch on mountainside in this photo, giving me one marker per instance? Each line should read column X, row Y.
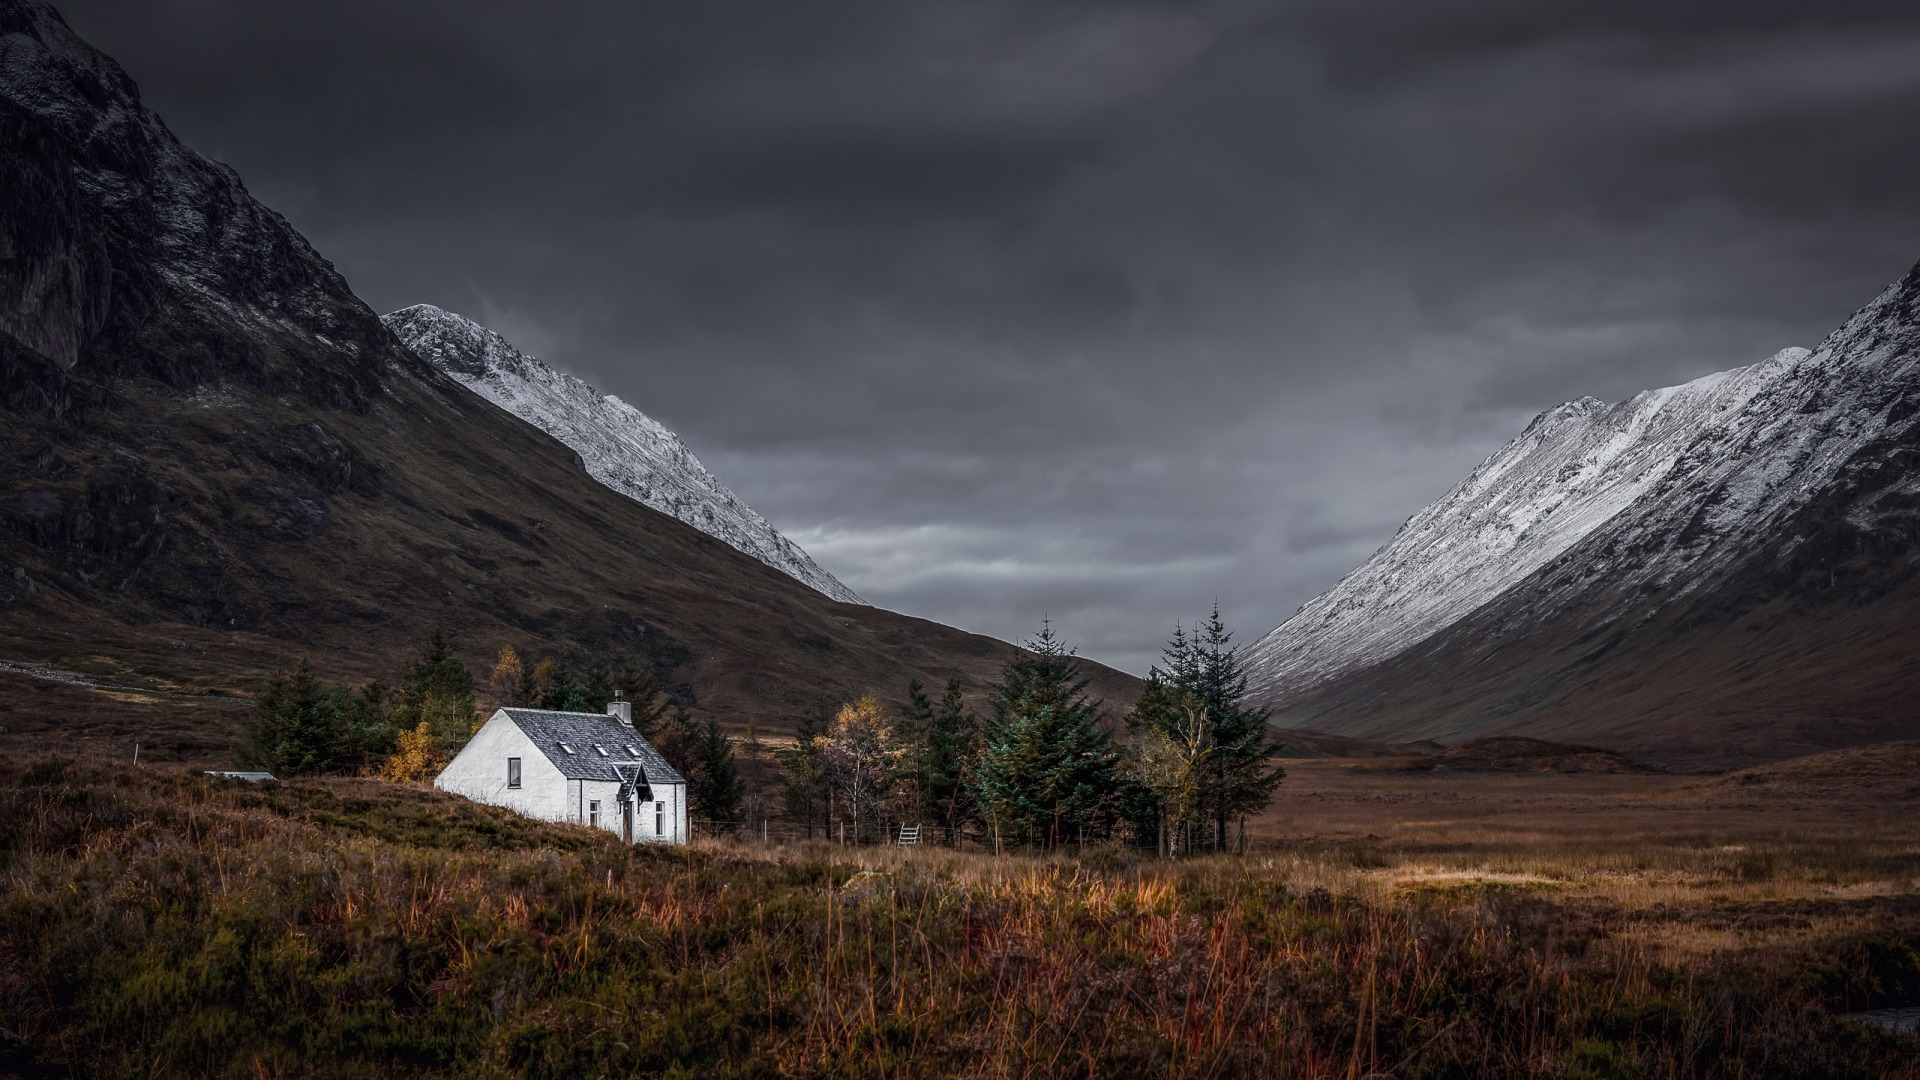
column 1655, row 492
column 622, row 447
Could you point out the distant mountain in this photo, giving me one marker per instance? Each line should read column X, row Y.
column 1723, row 569
column 622, row 447
column 214, row 458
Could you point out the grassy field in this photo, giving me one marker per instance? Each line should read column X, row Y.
column 154, row 922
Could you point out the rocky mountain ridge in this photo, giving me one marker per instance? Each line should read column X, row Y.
column 214, row 459
column 621, row 447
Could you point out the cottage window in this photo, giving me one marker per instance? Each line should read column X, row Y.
column 593, row 812
column 513, row 772
column 659, row 819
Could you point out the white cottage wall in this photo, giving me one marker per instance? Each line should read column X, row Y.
column 479, row 772
column 645, row 818
column 605, row 792
column 648, row 826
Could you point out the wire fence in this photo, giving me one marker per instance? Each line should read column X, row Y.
column 849, row 833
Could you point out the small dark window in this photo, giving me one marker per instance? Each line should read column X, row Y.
column 659, row 819
column 593, row 812
column 513, row 772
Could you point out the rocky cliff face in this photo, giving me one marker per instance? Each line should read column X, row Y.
column 621, row 446
column 1660, row 515
column 214, row 457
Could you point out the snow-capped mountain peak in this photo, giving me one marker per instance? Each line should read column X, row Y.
column 1657, row 493
column 622, row 447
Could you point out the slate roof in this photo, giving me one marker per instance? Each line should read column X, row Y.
column 582, row 731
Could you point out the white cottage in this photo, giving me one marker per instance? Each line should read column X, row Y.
column 579, row 767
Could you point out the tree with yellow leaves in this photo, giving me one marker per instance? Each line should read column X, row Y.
column 1170, row 761
column 416, row 756
column 860, row 755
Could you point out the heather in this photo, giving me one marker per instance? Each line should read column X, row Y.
column 164, row 923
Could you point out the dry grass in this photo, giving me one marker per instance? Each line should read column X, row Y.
column 158, row 923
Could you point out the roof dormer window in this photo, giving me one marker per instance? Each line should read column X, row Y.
column 601, row 749
column 566, row 748
column 631, row 752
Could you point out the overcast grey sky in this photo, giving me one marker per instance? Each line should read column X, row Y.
column 1095, row 310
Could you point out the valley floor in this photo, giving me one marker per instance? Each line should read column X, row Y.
column 156, row 922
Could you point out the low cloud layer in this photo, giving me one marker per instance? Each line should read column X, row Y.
column 1096, row 312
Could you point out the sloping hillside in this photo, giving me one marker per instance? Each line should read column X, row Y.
column 216, row 458
column 619, row 445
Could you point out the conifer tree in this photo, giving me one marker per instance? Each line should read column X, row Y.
column 1237, row 776
column 715, row 784
column 297, row 728
column 701, row 753
column 532, row 684
column 910, row 732
column 803, row 782
column 950, row 738
column 370, row 736
column 651, row 707
column 561, row 692
column 596, row 688
column 436, row 690
column 1045, row 769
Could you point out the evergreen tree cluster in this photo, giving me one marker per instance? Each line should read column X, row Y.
column 1044, row 770
column 1193, row 698
column 1042, row 767
column 302, row 727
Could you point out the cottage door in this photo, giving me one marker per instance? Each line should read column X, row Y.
column 626, row 819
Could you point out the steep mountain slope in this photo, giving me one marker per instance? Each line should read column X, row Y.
column 622, row 447
column 214, row 458
column 1721, row 570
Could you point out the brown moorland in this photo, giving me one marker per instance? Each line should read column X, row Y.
column 1383, row 924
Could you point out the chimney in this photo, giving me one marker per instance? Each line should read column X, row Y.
column 620, row 710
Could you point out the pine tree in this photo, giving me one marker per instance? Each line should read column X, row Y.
column 297, row 727
column 561, row 693
column 532, row 684
column 1238, row 776
column 950, row 738
column 436, row 689
column 596, row 689
column 701, row 753
column 803, row 782
column 370, row 735
column 1044, row 769
column 910, row 731
column 714, row 786
column 650, row 707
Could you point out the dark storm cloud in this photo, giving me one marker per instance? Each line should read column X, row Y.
column 1099, row 310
